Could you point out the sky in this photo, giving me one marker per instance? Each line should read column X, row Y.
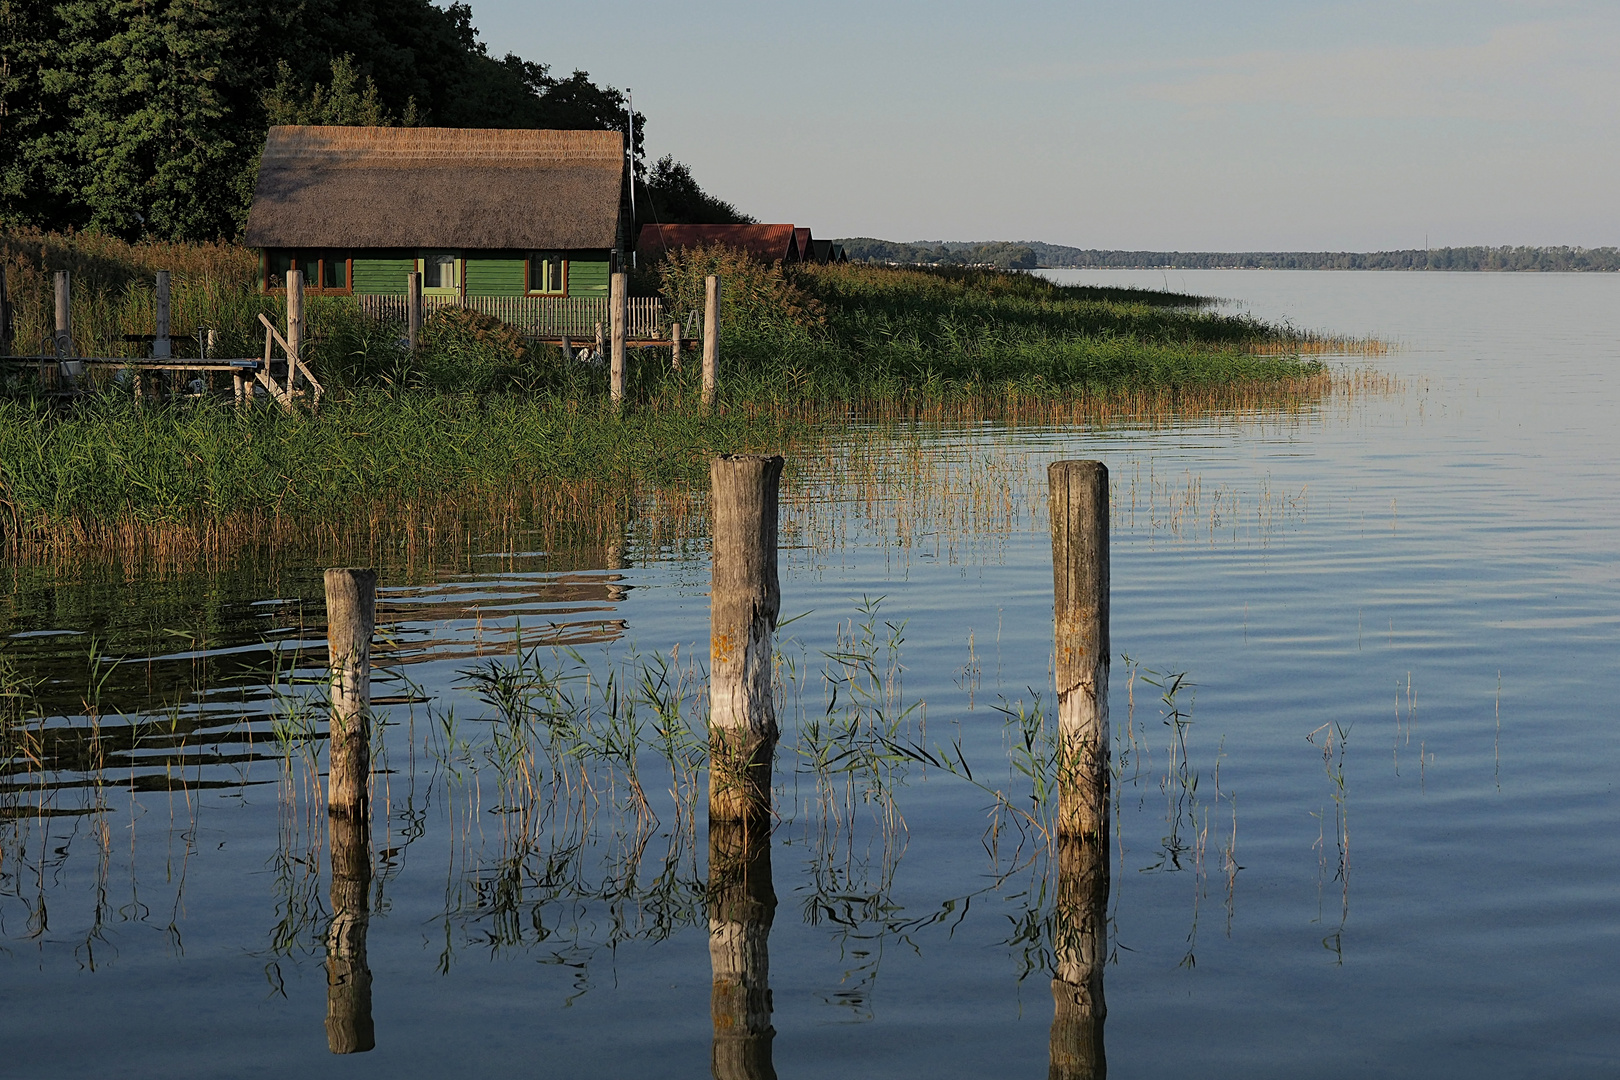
column 1191, row 125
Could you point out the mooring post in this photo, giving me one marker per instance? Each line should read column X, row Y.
column 5, row 314
column 162, row 349
column 567, row 349
column 675, row 346
column 742, row 906
column 744, row 599
column 295, row 329
column 711, row 339
column 413, row 309
column 616, row 305
column 601, row 343
column 349, row 1027
column 1080, row 595
column 351, row 615
column 1079, row 508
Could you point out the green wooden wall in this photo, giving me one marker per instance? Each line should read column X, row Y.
column 382, row 273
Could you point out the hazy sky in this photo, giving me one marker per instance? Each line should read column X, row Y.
column 1158, row 124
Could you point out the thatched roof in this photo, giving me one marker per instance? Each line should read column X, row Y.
column 769, row 242
column 389, row 187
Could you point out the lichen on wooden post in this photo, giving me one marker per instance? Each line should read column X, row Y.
column 1079, row 511
column 711, row 340
column 351, row 613
column 742, row 905
column 744, row 600
column 349, row 1027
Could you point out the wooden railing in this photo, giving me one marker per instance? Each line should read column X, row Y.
column 538, row 316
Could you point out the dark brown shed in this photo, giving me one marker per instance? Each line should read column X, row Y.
column 769, row 242
column 390, row 187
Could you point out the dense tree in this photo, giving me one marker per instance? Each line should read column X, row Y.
column 673, row 197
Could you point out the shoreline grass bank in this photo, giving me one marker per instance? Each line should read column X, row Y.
column 479, row 419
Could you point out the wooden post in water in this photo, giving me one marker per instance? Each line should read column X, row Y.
column 744, row 599
column 675, row 346
column 351, row 615
column 1079, row 509
column 64, row 315
column 5, row 314
column 349, row 1028
column 601, row 343
column 413, row 309
column 1080, row 600
column 742, row 905
column 711, row 340
column 616, row 312
column 1080, row 948
column 162, row 348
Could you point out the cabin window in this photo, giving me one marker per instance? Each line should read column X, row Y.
column 322, row 271
column 548, row 273
column 441, row 271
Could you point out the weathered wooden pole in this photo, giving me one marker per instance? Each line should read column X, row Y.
column 567, row 349
column 711, row 339
column 349, row 1027
column 162, row 348
column 351, row 615
column 1080, row 948
column 413, row 309
column 1080, row 595
column 616, row 312
column 674, row 346
column 64, row 315
column 744, row 599
column 742, row 905
column 5, row 314
column 295, row 329
column 601, row 343
column 1079, row 509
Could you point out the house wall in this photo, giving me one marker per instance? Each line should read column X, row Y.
column 485, row 273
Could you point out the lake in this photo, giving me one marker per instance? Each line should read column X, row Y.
column 1364, row 698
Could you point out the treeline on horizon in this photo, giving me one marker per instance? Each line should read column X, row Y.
column 1057, row 256
column 146, row 119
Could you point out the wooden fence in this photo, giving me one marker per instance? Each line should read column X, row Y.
column 537, row 316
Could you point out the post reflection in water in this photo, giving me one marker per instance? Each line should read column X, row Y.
column 349, row 1028
column 1080, row 946
column 742, row 903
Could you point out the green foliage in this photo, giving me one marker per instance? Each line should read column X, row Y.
column 345, row 100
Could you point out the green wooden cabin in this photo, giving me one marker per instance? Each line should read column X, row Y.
column 497, row 213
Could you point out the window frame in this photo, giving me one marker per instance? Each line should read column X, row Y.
column 458, row 259
column 534, row 257
column 309, row 261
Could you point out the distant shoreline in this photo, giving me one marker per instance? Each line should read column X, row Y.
column 1035, row 255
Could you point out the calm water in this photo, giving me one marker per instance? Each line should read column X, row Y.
column 1395, row 613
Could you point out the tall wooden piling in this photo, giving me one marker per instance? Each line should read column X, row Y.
column 711, row 340
column 742, row 906
column 1080, row 949
column 744, row 600
column 413, row 309
column 674, row 346
column 351, row 615
column 295, row 328
column 349, row 1027
column 617, row 314
column 162, row 348
column 5, row 314
column 1079, row 509
column 64, row 315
